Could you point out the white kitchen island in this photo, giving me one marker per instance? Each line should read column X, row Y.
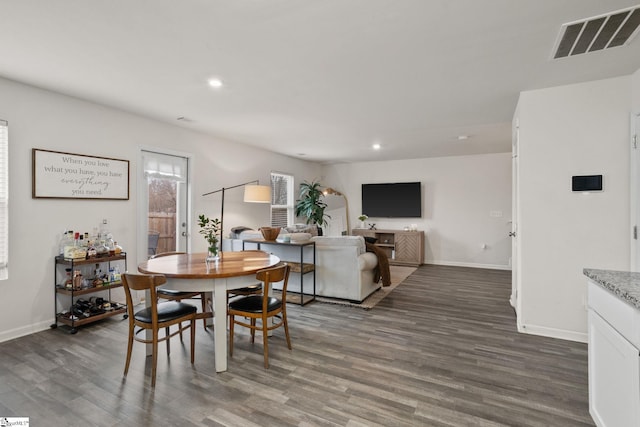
column 614, row 347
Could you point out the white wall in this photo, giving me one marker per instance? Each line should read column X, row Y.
column 635, row 79
column 42, row 119
column 580, row 129
column 459, row 195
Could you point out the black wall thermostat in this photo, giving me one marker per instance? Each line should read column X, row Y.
column 586, row 183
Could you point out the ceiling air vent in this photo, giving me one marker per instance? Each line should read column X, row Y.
column 600, row 32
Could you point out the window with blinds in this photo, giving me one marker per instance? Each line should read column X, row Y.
column 4, row 200
column 281, row 199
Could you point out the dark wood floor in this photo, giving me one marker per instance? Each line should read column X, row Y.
column 441, row 350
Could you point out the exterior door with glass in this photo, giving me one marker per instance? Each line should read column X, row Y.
column 164, row 188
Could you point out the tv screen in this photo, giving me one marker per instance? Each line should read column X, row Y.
column 392, row 200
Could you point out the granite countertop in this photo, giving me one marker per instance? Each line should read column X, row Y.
column 624, row 284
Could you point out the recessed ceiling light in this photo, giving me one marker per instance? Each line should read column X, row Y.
column 376, row 146
column 215, row 83
column 462, row 137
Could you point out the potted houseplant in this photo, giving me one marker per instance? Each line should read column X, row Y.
column 210, row 228
column 362, row 218
column 310, row 204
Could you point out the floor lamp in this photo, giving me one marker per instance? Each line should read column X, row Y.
column 253, row 193
column 330, row 190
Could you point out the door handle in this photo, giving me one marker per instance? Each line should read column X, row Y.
column 184, row 234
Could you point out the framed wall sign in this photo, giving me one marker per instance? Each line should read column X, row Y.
column 57, row 175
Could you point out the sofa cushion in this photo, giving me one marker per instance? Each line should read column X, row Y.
column 236, row 231
column 302, row 228
column 250, row 234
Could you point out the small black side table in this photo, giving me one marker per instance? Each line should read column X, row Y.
column 301, row 267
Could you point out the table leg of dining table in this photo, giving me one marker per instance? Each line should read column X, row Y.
column 220, row 323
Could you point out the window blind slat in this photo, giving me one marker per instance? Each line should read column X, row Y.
column 281, row 199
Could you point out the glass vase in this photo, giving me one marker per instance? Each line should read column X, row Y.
column 213, row 254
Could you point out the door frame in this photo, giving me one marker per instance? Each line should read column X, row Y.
column 142, row 228
column 514, row 299
column 634, row 189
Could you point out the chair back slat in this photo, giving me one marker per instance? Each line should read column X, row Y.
column 279, row 273
column 142, row 282
column 273, row 274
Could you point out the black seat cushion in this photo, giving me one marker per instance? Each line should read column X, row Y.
column 174, row 294
column 166, row 311
column 247, row 290
column 253, row 304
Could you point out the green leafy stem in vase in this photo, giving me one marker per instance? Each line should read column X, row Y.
column 210, row 228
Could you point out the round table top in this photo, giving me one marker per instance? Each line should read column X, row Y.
column 193, row 266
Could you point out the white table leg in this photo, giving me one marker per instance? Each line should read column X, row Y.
column 220, row 324
column 209, row 297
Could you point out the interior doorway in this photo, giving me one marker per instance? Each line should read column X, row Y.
column 163, row 189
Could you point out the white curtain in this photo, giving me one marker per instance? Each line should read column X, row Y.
column 157, row 165
column 4, row 200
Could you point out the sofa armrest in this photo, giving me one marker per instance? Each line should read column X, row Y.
column 367, row 261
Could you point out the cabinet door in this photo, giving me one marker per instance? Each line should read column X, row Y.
column 614, row 376
column 408, row 247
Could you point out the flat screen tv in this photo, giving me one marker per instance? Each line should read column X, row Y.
column 392, row 200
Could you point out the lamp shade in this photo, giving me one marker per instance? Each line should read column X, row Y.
column 330, row 190
column 257, row 194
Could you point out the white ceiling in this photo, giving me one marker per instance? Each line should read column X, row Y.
column 316, row 79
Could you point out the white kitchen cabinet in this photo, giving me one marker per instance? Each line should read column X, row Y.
column 614, row 359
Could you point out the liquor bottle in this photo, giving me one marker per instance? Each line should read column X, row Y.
column 91, row 250
column 101, row 249
column 110, row 245
column 68, row 248
column 64, row 241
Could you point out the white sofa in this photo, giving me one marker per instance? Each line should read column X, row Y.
column 343, row 267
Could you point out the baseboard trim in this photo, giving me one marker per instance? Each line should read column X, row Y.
column 553, row 332
column 468, row 264
column 25, row 330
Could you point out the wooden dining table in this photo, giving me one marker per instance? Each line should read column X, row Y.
column 190, row 272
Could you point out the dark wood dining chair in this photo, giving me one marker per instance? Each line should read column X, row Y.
column 178, row 296
column 157, row 316
column 262, row 307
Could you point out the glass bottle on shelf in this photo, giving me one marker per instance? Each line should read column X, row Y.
column 68, row 283
column 91, row 250
column 111, row 246
column 101, row 249
column 117, row 248
column 66, row 243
